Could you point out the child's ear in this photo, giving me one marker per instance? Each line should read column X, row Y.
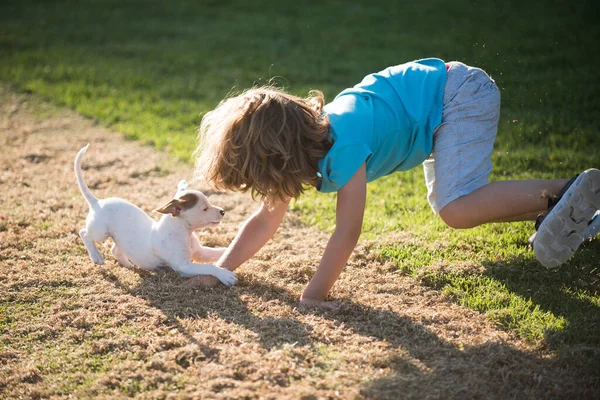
column 172, row 207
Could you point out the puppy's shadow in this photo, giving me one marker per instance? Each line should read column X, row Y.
column 165, row 291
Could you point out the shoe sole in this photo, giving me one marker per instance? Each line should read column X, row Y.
column 562, row 231
column 590, row 232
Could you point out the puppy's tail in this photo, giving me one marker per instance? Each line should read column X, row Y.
column 85, row 191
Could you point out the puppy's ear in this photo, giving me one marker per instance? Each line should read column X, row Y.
column 182, row 185
column 175, row 206
column 172, row 207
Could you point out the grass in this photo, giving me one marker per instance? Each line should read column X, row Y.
column 150, row 74
column 150, row 69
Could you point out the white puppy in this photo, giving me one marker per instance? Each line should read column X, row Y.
column 153, row 244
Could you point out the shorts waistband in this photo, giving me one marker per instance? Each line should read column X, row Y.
column 460, row 74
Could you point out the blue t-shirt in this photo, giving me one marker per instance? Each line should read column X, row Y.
column 386, row 120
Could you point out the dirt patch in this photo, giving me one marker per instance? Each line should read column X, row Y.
column 69, row 327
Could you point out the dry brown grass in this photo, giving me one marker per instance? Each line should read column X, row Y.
column 72, row 328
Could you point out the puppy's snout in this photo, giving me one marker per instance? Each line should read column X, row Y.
column 222, row 212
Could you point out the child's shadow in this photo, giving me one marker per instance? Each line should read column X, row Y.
column 569, row 292
column 419, row 363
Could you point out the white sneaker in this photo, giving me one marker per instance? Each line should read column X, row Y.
column 565, row 227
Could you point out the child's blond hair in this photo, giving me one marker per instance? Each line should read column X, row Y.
column 264, row 141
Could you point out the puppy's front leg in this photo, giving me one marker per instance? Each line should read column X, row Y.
column 201, row 254
column 190, row 269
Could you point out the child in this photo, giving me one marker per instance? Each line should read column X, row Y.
column 441, row 115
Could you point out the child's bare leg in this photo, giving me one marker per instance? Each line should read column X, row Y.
column 501, row 201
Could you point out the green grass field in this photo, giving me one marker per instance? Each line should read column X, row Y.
column 151, row 68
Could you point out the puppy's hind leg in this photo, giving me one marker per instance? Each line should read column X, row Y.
column 88, row 241
column 120, row 256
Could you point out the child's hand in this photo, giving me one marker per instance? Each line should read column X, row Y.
column 307, row 302
column 201, row 281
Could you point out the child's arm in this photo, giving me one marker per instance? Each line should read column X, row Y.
column 349, row 216
column 253, row 234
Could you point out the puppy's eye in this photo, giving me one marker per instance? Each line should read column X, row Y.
column 205, row 209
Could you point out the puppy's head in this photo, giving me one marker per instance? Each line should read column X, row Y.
column 194, row 208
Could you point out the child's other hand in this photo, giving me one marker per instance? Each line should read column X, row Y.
column 203, row 281
column 308, row 302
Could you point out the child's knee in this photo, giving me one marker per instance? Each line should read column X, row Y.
column 455, row 216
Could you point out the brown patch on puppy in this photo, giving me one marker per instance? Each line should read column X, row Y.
column 188, row 201
column 175, row 206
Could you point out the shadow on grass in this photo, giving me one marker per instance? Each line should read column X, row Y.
column 569, row 292
column 427, row 366
column 164, row 291
column 418, row 363
column 558, row 309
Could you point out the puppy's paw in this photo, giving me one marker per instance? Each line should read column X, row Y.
column 227, row 277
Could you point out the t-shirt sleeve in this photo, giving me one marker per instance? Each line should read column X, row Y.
column 340, row 164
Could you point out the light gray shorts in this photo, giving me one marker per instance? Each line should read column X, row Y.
column 461, row 160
